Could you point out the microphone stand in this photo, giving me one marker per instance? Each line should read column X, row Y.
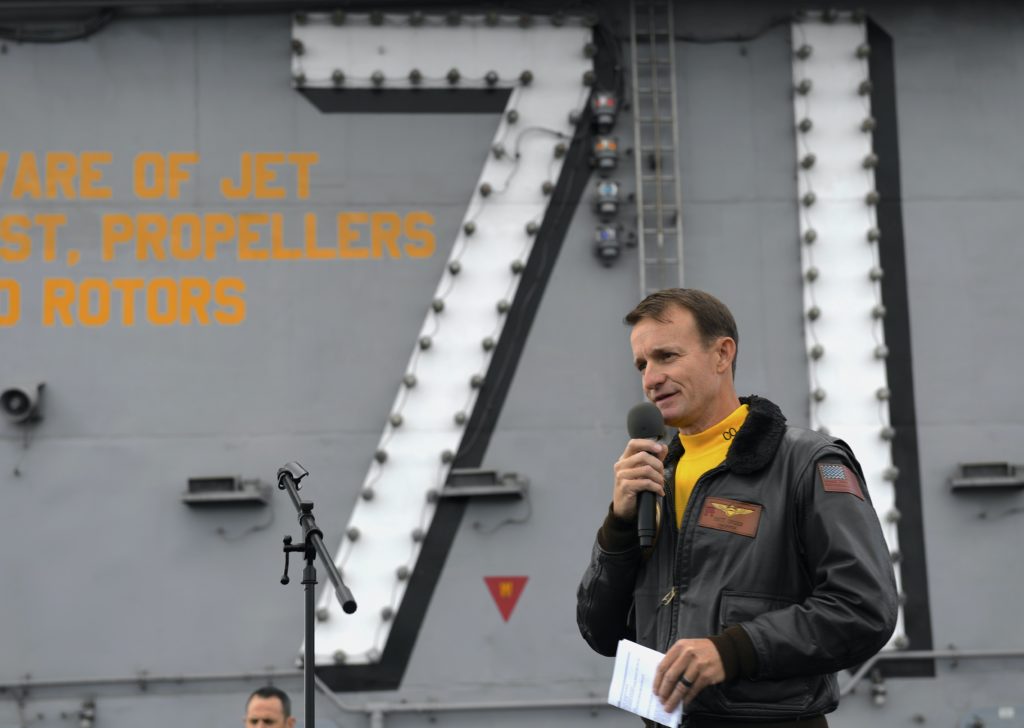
column 289, row 478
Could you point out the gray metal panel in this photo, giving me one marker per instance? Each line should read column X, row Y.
column 132, row 413
column 742, row 239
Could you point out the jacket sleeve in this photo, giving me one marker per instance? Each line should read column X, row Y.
column 604, row 599
column 852, row 608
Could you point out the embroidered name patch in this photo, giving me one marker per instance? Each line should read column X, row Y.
column 723, row 514
column 837, row 478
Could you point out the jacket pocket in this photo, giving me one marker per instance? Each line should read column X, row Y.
column 786, row 697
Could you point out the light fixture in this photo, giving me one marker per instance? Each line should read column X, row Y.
column 604, row 107
column 606, row 154
column 22, row 405
column 606, row 202
column 606, row 244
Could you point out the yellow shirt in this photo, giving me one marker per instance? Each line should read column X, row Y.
column 702, row 452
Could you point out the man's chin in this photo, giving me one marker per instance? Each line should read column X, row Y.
column 669, row 413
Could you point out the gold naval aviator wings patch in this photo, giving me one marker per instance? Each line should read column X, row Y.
column 723, row 514
column 731, row 511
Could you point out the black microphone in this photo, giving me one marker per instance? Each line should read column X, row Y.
column 645, row 423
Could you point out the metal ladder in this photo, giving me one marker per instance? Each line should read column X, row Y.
column 656, row 143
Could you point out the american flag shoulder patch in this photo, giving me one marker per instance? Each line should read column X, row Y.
column 838, row 478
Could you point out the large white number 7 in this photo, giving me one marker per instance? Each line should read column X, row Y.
column 464, row 322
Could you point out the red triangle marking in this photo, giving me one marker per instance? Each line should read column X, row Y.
column 506, row 591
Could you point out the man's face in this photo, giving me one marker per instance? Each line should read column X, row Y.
column 680, row 376
column 267, row 713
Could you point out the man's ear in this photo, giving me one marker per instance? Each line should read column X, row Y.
column 290, row 722
column 726, row 348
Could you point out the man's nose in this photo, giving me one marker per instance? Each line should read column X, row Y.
column 652, row 378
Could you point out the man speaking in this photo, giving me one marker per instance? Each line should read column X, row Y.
column 768, row 571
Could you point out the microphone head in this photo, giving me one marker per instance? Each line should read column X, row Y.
column 645, row 421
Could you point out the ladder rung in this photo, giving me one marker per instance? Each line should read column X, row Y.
column 653, row 120
column 655, row 178
column 664, row 231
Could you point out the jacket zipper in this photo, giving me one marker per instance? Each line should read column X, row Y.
column 677, row 572
column 667, row 599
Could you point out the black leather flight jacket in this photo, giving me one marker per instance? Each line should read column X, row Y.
column 812, row 589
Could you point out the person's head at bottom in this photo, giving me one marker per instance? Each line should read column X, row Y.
column 269, row 707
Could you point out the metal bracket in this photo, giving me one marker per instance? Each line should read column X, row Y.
column 473, row 482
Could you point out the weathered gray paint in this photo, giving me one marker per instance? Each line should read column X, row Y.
column 108, row 574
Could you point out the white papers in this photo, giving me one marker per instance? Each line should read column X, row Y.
column 632, row 685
